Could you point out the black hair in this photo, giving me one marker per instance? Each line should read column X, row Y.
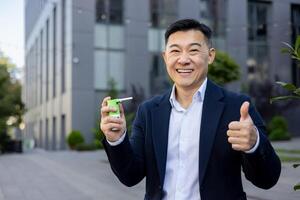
column 189, row 24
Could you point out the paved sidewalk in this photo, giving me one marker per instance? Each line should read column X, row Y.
column 66, row 175
column 294, row 143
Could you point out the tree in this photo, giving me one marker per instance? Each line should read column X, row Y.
column 10, row 99
column 224, row 69
column 292, row 89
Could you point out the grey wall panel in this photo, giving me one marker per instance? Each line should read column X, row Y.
column 136, row 36
column 188, row 9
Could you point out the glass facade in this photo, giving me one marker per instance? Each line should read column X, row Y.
column 109, row 60
column 54, row 54
column 109, row 11
column 258, row 48
column 162, row 13
column 54, row 133
column 214, row 14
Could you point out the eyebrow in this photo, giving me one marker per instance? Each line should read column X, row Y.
column 192, row 44
column 197, row 44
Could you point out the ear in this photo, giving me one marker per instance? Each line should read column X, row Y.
column 211, row 55
column 163, row 54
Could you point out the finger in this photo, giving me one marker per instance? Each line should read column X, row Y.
column 104, row 102
column 233, row 133
column 237, row 125
column 236, row 140
column 237, row 147
column 244, row 111
column 112, row 127
column 108, row 119
column 105, row 111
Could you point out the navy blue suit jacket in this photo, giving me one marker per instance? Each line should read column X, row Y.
column 145, row 153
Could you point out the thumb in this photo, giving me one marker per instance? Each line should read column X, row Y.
column 244, row 111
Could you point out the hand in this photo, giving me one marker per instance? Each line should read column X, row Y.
column 112, row 127
column 242, row 134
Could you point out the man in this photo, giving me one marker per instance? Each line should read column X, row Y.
column 191, row 142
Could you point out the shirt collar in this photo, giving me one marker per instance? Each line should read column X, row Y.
column 199, row 94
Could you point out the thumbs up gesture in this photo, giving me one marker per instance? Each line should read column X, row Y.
column 242, row 134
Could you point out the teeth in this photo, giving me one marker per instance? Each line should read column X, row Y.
column 184, row 70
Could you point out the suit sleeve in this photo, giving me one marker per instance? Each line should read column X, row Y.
column 127, row 159
column 262, row 167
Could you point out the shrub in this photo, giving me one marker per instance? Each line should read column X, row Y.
column 98, row 144
column 279, row 134
column 75, row 138
column 278, row 122
column 278, row 129
column 224, row 69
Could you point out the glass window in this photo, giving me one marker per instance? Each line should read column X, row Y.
column 257, row 20
column 54, row 53
column 54, row 133
column 109, row 11
column 159, row 79
column 258, row 48
column 109, row 36
column 116, row 68
column 40, row 140
column 109, row 64
column 163, row 12
column 156, row 40
column 214, row 14
column 47, row 134
column 116, row 37
column 100, row 36
column 63, row 132
column 100, row 70
column 47, row 60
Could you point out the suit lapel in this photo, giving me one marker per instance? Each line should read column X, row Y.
column 160, row 128
column 211, row 113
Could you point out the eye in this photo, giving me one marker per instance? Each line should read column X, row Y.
column 174, row 51
column 194, row 50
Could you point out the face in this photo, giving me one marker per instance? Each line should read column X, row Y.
column 187, row 57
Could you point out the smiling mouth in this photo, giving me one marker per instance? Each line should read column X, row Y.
column 184, row 71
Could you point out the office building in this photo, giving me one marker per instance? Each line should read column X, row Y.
column 74, row 47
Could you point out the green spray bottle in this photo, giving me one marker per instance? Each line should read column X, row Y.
column 114, row 103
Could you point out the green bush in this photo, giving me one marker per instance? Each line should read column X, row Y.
column 278, row 122
column 75, row 138
column 278, row 129
column 279, row 134
column 85, row 147
column 224, row 69
column 98, row 144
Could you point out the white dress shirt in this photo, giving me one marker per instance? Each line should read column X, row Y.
column 182, row 169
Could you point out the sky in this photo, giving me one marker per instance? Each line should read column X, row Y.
column 12, row 30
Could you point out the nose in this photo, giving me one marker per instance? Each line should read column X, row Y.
column 184, row 59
